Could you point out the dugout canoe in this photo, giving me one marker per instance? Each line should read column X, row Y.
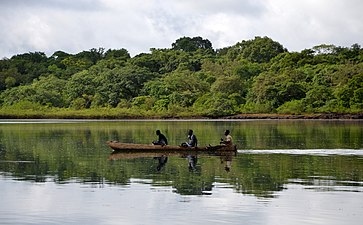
column 119, row 146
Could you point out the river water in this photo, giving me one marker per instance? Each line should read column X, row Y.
column 285, row 172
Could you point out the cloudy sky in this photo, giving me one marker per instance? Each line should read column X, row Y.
column 138, row 25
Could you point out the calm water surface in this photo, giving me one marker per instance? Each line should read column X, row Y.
column 285, row 172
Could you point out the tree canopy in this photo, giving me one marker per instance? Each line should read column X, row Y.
column 252, row 76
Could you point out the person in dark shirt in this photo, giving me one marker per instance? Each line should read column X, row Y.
column 162, row 139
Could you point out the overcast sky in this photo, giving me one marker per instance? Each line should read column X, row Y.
column 138, row 25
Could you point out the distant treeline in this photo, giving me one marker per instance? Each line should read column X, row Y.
column 253, row 76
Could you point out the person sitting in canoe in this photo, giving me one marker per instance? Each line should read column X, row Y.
column 162, row 139
column 228, row 139
column 192, row 140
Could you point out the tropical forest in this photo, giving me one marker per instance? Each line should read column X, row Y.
column 189, row 79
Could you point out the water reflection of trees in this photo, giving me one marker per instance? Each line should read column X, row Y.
column 67, row 153
column 260, row 175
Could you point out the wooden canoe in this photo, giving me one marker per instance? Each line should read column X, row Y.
column 118, row 146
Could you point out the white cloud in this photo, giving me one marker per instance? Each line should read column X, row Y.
column 304, row 24
column 74, row 26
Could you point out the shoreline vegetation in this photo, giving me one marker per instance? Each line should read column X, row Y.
column 111, row 113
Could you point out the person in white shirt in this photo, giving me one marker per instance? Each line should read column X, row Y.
column 228, row 140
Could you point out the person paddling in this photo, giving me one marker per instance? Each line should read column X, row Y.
column 228, row 140
column 192, row 140
column 162, row 139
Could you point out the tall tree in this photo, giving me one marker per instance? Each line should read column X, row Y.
column 260, row 50
column 192, row 44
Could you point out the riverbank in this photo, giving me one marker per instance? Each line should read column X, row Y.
column 302, row 116
column 42, row 112
column 111, row 115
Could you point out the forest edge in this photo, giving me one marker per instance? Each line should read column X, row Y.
column 327, row 116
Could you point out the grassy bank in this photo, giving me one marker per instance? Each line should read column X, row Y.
column 99, row 113
column 136, row 113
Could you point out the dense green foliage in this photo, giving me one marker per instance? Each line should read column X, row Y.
column 253, row 76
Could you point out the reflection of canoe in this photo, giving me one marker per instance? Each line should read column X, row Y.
column 117, row 146
column 128, row 154
column 117, row 154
